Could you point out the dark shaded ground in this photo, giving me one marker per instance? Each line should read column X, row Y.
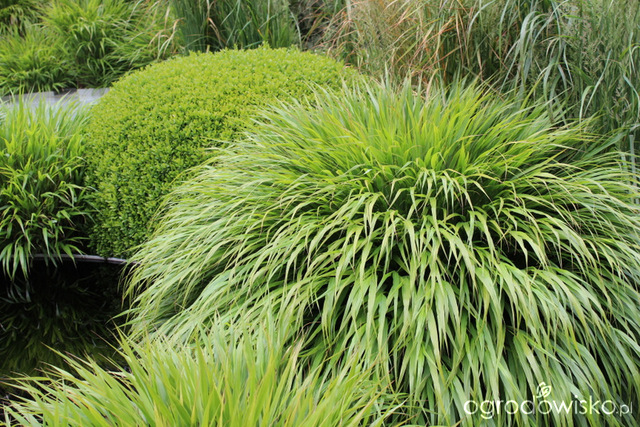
column 67, row 309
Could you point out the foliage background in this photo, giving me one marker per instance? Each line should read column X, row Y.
column 528, row 268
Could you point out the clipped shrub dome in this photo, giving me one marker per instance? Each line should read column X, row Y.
column 160, row 121
column 463, row 242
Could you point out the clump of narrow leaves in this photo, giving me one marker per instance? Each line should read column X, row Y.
column 473, row 246
column 43, row 202
column 103, row 39
column 33, row 62
column 15, row 15
column 218, row 381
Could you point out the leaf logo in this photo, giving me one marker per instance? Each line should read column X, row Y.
column 543, row 390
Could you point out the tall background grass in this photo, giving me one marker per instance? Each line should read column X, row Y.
column 17, row 14
column 581, row 56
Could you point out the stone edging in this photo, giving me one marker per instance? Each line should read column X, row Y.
column 81, row 96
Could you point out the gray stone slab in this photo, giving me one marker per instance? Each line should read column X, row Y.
column 81, row 96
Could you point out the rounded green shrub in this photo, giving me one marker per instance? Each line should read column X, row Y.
column 158, row 122
column 465, row 243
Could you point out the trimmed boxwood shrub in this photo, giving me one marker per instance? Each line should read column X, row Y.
column 158, row 122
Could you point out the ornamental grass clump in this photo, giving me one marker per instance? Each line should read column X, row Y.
column 44, row 204
column 104, row 39
column 33, row 62
column 473, row 246
column 16, row 15
column 218, row 382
